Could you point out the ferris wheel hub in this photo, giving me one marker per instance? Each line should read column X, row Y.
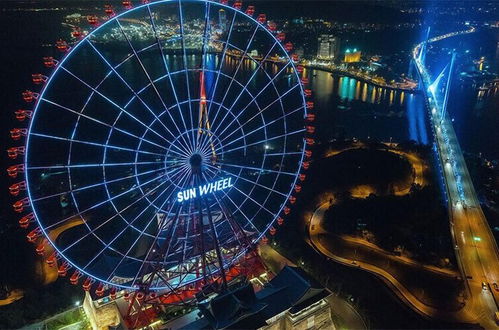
column 196, row 160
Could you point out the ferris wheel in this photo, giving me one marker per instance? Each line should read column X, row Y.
column 167, row 141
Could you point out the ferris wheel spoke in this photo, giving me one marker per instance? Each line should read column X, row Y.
column 238, row 208
column 153, row 24
column 117, row 236
column 260, row 112
column 130, row 87
column 256, row 169
column 87, row 165
column 80, row 114
column 259, row 128
column 264, row 141
column 113, row 103
column 95, row 185
column 151, row 247
column 151, row 82
column 160, row 225
column 248, row 197
column 93, row 144
column 253, row 99
column 252, row 182
column 186, row 70
column 224, row 212
column 236, row 71
column 79, row 213
column 92, row 231
column 140, row 235
column 245, row 88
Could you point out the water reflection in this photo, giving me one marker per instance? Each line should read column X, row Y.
column 350, row 108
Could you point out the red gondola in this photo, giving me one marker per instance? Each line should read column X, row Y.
column 224, row 2
column 153, row 295
column 306, row 165
column 237, row 4
column 310, row 141
column 302, row 177
column 108, row 9
column 24, row 221
column 140, row 296
column 299, row 69
column 40, row 249
column 38, row 78
column 13, row 170
column 62, row 45
column 310, row 129
column 281, row 36
column 112, row 293
column 33, row 235
column 310, row 117
column 288, row 46
column 76, row 33
column 310, row 105
column 127, row 4
column 75, row 277
column 307, row 92
column 262, row 18
column 16, row 133
column 13, row 152
column 99, row 292
column 308, row 153
column 265, row 240
column 51, row 259
column 250, row 10
column 49, row 62
column 271, row 26
column 144, row 2
column 297, row 188
column 272, row 231
column 87, row 284
column 29, row 96
column 21, row 115
column 92, row 20
column 63, row 269
column 126, row 296
column 292, row 199
column 17, row 187
column 304, row 80
column 287, row 210
column 21, row 204
column 280, row 221
column 295, row 57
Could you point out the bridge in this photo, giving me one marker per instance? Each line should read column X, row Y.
column 475, row 247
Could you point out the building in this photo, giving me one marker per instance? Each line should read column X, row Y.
column 291, row 300
column 101, row 315
column 328, row 47
column 222, row 19
column 352, row 55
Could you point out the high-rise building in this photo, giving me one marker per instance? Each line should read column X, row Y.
column 222, row 19
column 329, row 47
column 352, row 55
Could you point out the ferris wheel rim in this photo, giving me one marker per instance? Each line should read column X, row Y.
column 70, row 54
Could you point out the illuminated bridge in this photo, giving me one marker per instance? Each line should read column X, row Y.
column 475, row 247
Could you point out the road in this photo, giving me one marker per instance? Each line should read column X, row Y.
column 318, row 238
column 475, row 246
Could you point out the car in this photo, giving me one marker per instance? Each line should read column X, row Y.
column 484, row 286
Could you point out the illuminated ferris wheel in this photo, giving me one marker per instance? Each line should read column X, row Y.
column 164, row 145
